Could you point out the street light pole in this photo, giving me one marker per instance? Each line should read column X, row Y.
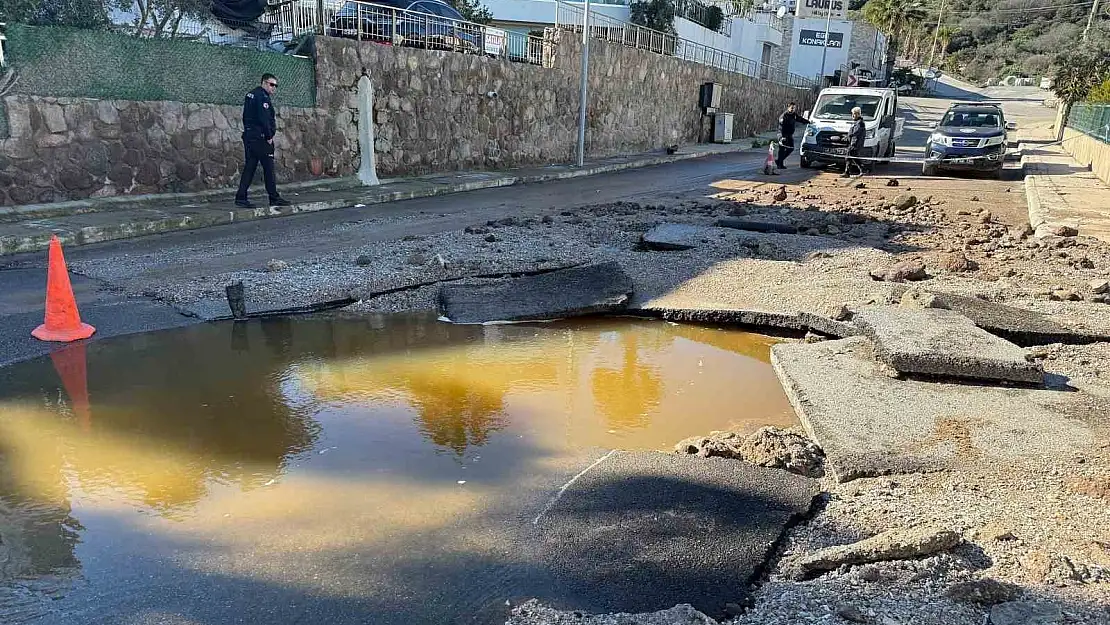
column 582, row 86
column 1090, row 19
column 825, row 49
column 936, row 33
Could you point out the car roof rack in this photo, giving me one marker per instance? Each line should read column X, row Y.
column 979, row 103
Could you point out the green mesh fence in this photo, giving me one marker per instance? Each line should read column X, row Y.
column 1093, row 119
column 71, row 62
column 3, row 121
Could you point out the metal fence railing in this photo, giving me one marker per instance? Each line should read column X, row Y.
column 1092, row 119
column 704, row 15
column 571, row 17
column 366, row 21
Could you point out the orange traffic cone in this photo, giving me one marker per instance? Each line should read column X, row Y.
column 62, row 322
column 70, row 363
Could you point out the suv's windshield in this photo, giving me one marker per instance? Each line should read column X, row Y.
column 839, row 106
column 972, row 119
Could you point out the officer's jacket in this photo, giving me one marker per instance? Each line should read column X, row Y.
column 259, row 120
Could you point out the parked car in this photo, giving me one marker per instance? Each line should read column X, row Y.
column 826, row 137
column 970, row 137
column 420, row 23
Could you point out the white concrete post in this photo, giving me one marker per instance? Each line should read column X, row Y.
column 367, row 171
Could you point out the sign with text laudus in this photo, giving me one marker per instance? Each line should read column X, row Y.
column 820, row 8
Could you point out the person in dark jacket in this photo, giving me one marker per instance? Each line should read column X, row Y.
column 856, row 137
column 259, row 128
column 787, row 125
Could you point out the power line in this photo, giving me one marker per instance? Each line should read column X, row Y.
column 1047, row 7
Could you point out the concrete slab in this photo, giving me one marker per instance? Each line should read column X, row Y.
column 943, row 343
column 693, row 530
column 673, row 237
column 592, row 289
column 870, row 424
column 774, row 293
column 829, row 327
column 1020, row 326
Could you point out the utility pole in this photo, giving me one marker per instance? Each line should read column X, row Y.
column 936, row 33
column 582, row 86
column 1090, row 20
column 825, row 49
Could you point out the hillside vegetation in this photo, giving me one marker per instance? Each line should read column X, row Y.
column 987, row 39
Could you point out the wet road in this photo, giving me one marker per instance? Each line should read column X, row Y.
column 388, row 471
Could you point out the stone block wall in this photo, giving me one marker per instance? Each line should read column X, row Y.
column 640, row 101
column 70, row 148
column 434, row 111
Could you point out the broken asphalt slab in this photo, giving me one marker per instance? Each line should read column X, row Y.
column 592, row 289
column 774, row 290
column 645, row 531
column 673, row 237
column 757, row 226
column 942, row 343
column 870, row 424
column 1023, row 327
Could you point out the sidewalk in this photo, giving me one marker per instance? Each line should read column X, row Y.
column 1061, row 192
column 29, row 228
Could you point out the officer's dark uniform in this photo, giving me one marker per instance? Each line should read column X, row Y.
column 787, row 125
column 259, row 128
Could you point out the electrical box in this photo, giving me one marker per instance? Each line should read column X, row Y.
column 722, row 128
column 710, row 97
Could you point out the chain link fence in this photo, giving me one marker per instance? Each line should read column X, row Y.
column 1092, row 119
column 99, row 63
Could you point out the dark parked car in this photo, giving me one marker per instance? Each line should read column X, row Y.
column 970, row 137
column 422, row 24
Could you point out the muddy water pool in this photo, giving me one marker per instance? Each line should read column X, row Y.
column 363, row 471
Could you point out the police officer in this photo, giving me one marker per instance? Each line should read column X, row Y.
column 787, row 124
column 259, row 128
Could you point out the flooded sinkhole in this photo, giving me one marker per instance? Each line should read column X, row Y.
column 375, row 466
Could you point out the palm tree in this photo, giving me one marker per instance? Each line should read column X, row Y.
column 897, row 19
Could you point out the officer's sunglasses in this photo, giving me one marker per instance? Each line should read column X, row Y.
column 272, row 84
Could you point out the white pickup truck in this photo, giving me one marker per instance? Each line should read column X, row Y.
column 826, row 137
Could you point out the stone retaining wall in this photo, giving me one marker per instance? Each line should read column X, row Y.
column 69, row 148
column 434, row 111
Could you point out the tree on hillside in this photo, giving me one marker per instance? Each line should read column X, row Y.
column 162, row 18
column 76, row 13
column 898, row 20
column 654, row 14
column 473, row 11
column 1075, row 74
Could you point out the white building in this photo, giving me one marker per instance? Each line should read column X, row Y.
column 786, row 43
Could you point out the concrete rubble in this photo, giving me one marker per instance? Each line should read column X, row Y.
column 768, row 447
column 899, row 544
column 936, row 342
column 533, row 612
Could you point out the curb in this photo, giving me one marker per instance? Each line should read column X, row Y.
column 14, row 244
